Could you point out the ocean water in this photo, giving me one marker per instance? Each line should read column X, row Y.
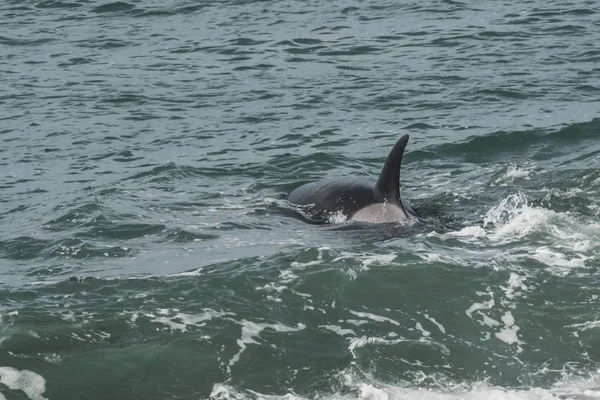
column 147, row 249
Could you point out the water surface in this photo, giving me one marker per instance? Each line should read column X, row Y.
column 147, row 250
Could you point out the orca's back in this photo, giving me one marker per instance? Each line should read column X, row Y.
column 330, row 197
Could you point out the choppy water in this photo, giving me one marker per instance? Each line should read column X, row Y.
column 147, row 250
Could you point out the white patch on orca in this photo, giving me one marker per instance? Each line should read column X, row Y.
column 380, row 212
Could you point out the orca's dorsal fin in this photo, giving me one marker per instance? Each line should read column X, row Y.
column 389, row 180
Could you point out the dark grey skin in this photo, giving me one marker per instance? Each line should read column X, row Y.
column 357, row 200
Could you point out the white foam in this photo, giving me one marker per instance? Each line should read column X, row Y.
column 356, row 385
column 359, row 342
column 339, row 330
column 586, row 325
column 423, row 331
column 222, row 391
column 508, row 334
column 357, row 322
column 251, row 330
column 565, row 390
column 369, row 392
column 319, row 260
column 272, row 287
column 374, row 317
column 431, row 257
column 486, row 305
column 508, row 319
column 515, row 172
column 559, row 262
column 469, row 231
column 181, row 321
column 487, row 320
column 32, row 384
column 195, row 272
column 369, row 259
column 440, row 326
column 395, row 393
column 296, row 264
column 287, row 276
column 515, row 285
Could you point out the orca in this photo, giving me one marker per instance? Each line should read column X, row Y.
column 356, row 200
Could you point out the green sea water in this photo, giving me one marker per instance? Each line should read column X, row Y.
column 148, row 251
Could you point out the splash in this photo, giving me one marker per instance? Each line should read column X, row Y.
column 515, row 218
column 564, row 242
column 337, row 217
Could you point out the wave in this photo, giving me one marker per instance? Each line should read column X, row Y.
column 571, row 388
column 29, row 248
column 513, row 144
